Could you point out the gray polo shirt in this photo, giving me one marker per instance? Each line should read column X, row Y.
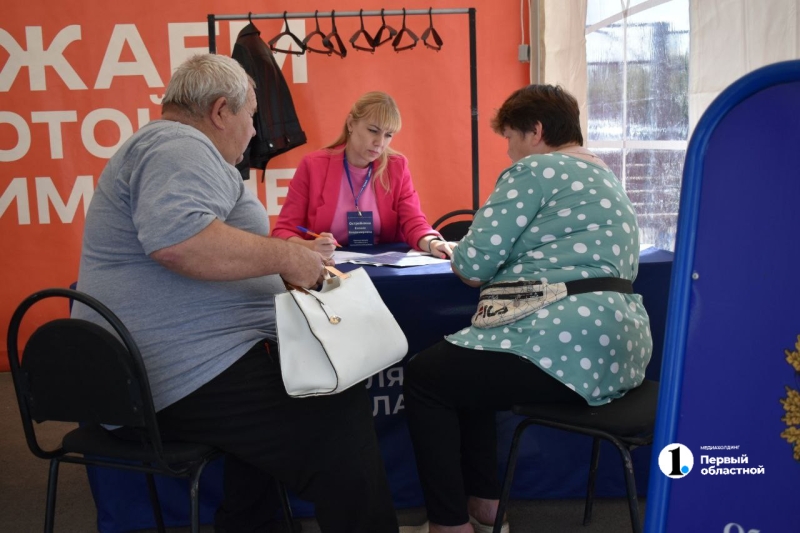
column 166, row 184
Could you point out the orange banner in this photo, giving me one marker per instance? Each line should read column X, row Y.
column 77, row 80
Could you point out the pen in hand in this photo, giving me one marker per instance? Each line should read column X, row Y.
column 306, row 230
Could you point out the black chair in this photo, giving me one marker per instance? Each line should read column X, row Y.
column 454, row 231
column 627, row 423
column 74, row 370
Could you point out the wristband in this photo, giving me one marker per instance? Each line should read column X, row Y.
column 430, row 244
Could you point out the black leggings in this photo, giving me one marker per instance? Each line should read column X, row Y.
column 451, row 396
column 323, row 448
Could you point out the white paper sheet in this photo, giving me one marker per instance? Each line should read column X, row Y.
column 395, row 259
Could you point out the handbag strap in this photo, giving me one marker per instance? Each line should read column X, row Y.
column 290, row 287
column 331, row 270
column 336, row 272
column 333, row 318
column 579, row 286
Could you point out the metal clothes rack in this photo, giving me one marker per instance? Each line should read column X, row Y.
column 473, row 69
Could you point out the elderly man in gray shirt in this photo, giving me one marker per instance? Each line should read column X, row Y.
column 177, row 247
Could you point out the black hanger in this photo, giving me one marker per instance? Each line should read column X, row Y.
column 378, row 40
column 404, row 31
column 310, row 48
column 294, row 37
column 431, row 32
column 333, row 41
column 370, row 40
column 250, row 17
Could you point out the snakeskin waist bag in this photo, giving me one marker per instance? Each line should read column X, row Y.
column 508, row 301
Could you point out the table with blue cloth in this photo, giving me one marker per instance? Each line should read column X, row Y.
column 428, row 302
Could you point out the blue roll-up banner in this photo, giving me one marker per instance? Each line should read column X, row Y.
column 726, row 456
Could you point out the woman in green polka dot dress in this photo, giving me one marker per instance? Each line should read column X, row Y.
column 557, row 214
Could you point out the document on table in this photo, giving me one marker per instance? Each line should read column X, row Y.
column 395, row 259
column 340, row 256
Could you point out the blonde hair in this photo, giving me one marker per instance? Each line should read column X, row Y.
column 380, row 108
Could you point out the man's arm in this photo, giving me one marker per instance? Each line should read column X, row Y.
column 223, row 253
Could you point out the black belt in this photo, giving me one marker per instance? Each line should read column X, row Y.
column 579, row 286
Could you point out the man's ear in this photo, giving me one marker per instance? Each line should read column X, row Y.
column 219, row 109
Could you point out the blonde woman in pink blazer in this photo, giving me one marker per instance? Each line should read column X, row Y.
column 358, row 177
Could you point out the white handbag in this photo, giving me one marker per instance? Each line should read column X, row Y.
column 333, row 338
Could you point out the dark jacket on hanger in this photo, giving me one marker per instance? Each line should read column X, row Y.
column 276, row 124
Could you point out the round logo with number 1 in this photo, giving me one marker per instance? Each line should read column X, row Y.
column 675, row 460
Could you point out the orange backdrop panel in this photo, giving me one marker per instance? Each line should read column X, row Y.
column 77, row 80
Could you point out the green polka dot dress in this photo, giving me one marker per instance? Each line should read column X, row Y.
column 557, row 218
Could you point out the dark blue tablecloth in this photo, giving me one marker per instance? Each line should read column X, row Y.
column 428, row 303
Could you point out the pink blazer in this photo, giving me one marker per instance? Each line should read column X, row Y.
column 314, row 193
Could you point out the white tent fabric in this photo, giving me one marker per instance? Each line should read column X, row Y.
column 730, row 38
column 563, row 38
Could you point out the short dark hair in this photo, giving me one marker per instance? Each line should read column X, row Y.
column 554, row 107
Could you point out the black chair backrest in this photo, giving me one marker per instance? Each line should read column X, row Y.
column 78, row 371
column 73, row 370
column 454, row 231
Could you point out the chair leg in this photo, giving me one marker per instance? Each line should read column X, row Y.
column 512, row 461
column 287, row 509
column 155, row 503
column 630, row 485
column 52, row 483
column 194, row 497
column 587, row 512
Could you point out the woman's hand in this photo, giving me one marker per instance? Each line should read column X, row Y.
column 324, row 245
column 442, row 249
column 437, row 247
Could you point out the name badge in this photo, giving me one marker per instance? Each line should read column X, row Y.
column 360, row 230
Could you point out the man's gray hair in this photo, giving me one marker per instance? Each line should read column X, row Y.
column 200, row 80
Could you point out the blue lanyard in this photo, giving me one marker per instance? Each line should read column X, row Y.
column 350, row 182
